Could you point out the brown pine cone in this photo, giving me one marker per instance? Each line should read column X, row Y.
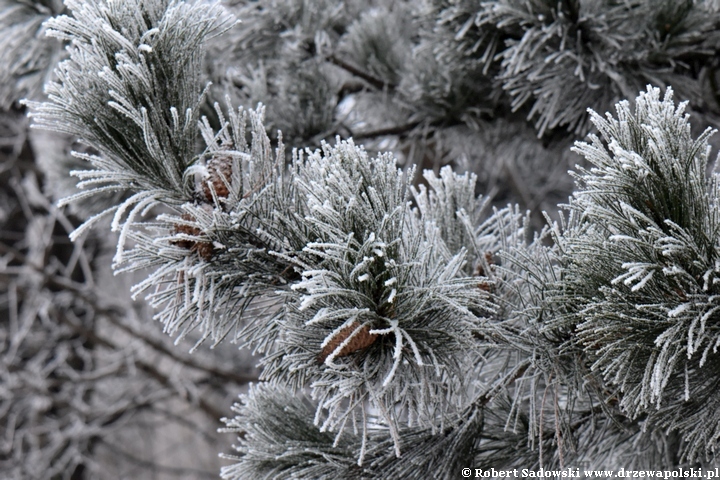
column 361, row 340
column 219, row 175
column 204, row 249
column 480, row 272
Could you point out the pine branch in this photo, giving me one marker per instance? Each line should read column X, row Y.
column 639, row 265
column 429, row 333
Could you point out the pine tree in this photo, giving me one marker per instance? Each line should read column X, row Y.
column 407, row 326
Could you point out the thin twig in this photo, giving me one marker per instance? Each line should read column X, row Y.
column 371, row 79
column 490, row 393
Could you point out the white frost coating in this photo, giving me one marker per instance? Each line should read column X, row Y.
column 384, row 331
column 397, row 355
column 364, row 277
column 677, row 311
column 706, row 280
column 642, row 282
column 413, row 345
column 674, row 270
column 306, row 302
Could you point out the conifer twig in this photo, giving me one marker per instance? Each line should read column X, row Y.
column 371, row 79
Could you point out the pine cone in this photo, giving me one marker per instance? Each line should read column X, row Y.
column 219, row 175
column 204, row 249
column 362, row 339
column 480, row 272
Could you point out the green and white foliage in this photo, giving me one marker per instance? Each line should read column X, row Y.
column 379, row 41
column 132, row 94
column 372, row 265
column 408, row 328
column 562, row 57
column 450, row 76
column 280, row 440
column 142, row 60
column 451, row 206
column 640, row 266
column 338, row 227
column 26, row 55
column 211, row 256
column 277, row 56
column 502, row 347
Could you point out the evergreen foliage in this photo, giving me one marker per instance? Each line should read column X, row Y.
column 406, row 325
column 26, row 56
column 644, row 303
